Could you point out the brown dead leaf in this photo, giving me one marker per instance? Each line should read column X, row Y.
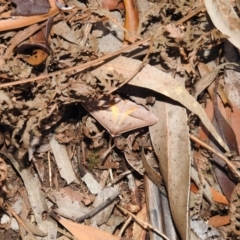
column 154, row 176
column 218, row 197
column 218, row 221
column 37, row 49
column 168, row 138
column 83, row 232
column 208, row 77
column 36, row 57
column 226, row 184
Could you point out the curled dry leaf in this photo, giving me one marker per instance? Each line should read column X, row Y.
column 38, row 46
column 225, row 19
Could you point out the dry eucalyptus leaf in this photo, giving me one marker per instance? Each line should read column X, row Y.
column 82, row 231
column 225, row 19
column 158, row 81
column 159, row 211
column 34, row 229
column 171, row 144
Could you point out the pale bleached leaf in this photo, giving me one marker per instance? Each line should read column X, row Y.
column 171, row 144
column 62, row 160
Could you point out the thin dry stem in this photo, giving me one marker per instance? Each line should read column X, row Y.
column 142, row 223
column 227, row 161
column 79, row 68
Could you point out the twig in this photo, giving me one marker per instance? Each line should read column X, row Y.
column 66, row 234
column 119, row 177
column 225, row 159
column 142, row 223
column 99, row 208
column 124, row 226
column 201, row 8
column 79, row 68
column 49, row 170
column 136, row 71
column 20, row 222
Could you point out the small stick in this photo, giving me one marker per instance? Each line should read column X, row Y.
column 225, row 159
column 99, row 207
column 142, row 64
column 142, row 223
column 124, row 226
column 49, row 170
column 119, row 177
column 66, row 234
column 79, row 68
column 21, row 222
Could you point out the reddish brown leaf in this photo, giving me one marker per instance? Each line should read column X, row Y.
column 83, row 232
column 218, row 221
column 193, row 188
column 38, row 46
column 131, row 20
column 218, row 197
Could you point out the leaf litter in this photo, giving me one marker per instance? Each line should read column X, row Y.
column 95, row 145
